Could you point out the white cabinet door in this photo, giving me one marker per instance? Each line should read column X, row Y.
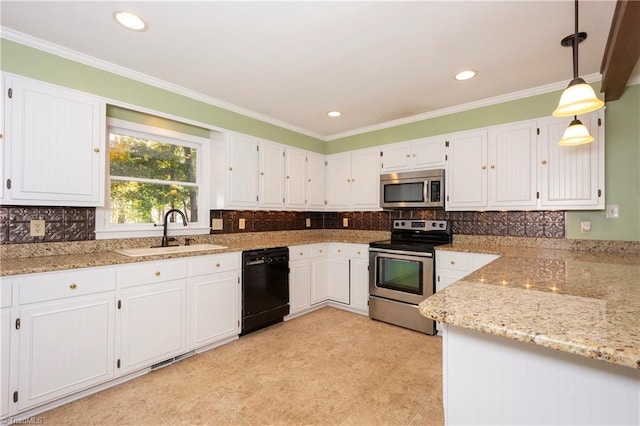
column 242, row 173
column 395, row 158
column 299, row 285
column 215, row 306
column 152, row 325
column 338, row 181
column 315, row 181
column 338, row 280
column 572, row 177
column 5, row 358
column 466, row 178
column 58, row 145
column 271, row 175
column 365, row 179
column 295, row 179
column 512, row 165
column 428, row 153
column 319, row 280
column 65, row 347
column 359, row 283
column 4, row 117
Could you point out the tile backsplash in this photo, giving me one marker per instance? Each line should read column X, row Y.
column 78, row 223
column 61, row 224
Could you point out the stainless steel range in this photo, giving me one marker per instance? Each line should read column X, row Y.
column 401, row 272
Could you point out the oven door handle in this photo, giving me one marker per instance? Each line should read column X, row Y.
column 402, row 252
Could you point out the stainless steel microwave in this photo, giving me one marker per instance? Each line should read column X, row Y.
column 423, row 189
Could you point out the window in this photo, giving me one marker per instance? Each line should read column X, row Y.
column 153, row 170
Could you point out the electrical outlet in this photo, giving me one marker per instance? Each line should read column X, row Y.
column 37, row 228
column 345, row 222
column 308, row 222
column 216, row 224
column 241, row 223
column 585, row 226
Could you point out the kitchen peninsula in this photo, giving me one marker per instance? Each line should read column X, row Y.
column 581, row 311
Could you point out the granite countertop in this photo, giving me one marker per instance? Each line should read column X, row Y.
column 582, row 302
column 45, row 257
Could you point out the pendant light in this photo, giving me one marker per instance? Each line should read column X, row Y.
column 578, row 97
column 576, row 134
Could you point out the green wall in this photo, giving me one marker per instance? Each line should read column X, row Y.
column 29, row 62
column 622, row 127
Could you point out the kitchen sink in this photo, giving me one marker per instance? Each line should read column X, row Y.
column 150, row 251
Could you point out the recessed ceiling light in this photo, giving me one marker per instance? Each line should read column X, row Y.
column 465, row 75
column 334, row 113
column 130, row 21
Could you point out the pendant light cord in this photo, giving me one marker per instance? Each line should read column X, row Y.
column 575, row 46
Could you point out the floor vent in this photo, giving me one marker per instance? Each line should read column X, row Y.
column 171, row 360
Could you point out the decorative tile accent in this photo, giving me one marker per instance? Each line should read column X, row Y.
column 62, row 224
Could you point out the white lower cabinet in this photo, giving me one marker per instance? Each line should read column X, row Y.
column 451, row 266
column 152, row 324
column 334, row 273
column 65, row 334
column 214, row 287
column 5, row 357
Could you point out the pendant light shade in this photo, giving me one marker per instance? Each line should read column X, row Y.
column 576, row 134
column 577, row 98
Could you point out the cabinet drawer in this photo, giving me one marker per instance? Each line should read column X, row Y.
column 204, row 265
column 339, row 250
column 299, row 252
column 358, row 251
column 5, row 292
column 319, row 250
column 150, row 272
column 455, row 261
column 59, row 285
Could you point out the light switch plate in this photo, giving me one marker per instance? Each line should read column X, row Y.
column 37, row 228
column 216, row 224
column 345, row 222
column 308, row 222
column 585, row 226
column 241, row 223
column 613, row 211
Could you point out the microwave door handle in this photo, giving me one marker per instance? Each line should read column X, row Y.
column 426, row 196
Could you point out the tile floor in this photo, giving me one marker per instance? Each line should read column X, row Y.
column 329, row 367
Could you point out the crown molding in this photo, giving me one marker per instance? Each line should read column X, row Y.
column 94, row 62
column 591, row 78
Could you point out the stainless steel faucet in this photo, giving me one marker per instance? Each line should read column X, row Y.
column 165, row 240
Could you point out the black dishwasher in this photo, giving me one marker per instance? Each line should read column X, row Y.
column 265, row 287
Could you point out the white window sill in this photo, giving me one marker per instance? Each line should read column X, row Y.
column 156, row 232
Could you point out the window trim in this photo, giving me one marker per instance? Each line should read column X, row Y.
column 107, row 230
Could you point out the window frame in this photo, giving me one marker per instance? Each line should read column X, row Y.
column 107, row 230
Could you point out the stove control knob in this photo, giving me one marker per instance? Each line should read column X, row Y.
column 402, row 223
column 442, row 225
column 433, row 224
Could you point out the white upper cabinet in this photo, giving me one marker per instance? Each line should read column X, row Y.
column 512, row 165
column 242, row 171
column 295, row 180
column 571, row 177
column 56, row 145
column 418, row 154
column 520, row 166
column 315, row 181
column 353, row 180
column 271, row 177
column 466, row 173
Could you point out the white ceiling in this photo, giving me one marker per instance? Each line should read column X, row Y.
column 294, row 61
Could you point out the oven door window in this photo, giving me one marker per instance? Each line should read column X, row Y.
column 399, row 274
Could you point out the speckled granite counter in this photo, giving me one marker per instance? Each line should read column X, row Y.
column 582, row 302
column 19, row 259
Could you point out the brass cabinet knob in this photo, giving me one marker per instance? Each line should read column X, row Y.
column 339, row 251
column 157, row 273
column 484, row 167
column 1, row 135
column 96, row 149
column 288, row 177
column 308, row 180
column 320, row 250
column 453, row 262
column 261, row 173
column 217, row 265
column 73, row 286
column 408, row 155
column 358, row 252
column 493, row 166
column 544, row 162
column 301, row 254
column 230, row 168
